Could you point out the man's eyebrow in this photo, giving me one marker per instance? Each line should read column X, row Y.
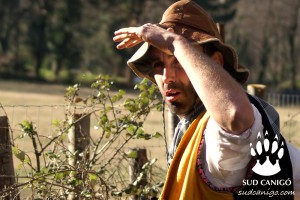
column 155, row 60
column 154, row 56
column 153, row 53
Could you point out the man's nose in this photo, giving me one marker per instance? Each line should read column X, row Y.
column 169, row 75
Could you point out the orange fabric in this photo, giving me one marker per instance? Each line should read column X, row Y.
column 183, row 181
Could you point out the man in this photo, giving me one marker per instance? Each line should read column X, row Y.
column 220, row 125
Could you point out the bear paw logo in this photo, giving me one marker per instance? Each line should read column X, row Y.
column 263, row 152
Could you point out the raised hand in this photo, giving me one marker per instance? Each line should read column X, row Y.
column 128, row 37
column 151, row 33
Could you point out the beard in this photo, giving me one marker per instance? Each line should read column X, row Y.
column 188, row 100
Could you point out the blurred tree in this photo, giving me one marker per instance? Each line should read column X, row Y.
column 266, row 46
column 36, row 36
column 222, row 11
column 7, row 9
column 10, row 14
column 266, row 35
column 64, row 36
column 133, row 13
column 292, row 37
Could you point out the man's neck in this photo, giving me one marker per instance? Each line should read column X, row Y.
column 198, row 108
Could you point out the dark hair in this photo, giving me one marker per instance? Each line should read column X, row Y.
column 209, row 48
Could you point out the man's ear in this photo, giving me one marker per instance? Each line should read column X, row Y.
column 218, row 57
column 171, row 30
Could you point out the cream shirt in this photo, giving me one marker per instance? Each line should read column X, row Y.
column 227, row 155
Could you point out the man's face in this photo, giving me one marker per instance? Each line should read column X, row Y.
column 173, row 83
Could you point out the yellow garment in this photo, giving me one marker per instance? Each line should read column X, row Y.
column 183, row 179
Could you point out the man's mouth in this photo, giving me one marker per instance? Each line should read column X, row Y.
column 172, row 95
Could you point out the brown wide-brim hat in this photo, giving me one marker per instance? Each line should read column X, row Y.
column 191, row 21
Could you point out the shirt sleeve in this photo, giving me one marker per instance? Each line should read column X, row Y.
column 227, row 155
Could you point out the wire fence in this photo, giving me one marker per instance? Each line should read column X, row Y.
column 44, row 115
column 283, row 100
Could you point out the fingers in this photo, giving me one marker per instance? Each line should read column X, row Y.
column 131, row 30
column 124, row 36
column 123, row 44
column 125, row 33
column 131, row 36
column 127, row 30
column 128, row 43
column 127, row 37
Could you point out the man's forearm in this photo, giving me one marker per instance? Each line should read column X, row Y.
column 223, row 97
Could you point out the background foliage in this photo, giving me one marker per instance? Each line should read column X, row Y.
column 53, row 169
column 55, row 40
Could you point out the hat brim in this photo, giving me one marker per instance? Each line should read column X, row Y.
column 140, row 62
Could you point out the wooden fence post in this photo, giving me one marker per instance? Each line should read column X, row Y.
column 135, row 168
column 79, row 136
column 257, row 90
column 7, row 173
column 221, row 29
column 79, row 141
